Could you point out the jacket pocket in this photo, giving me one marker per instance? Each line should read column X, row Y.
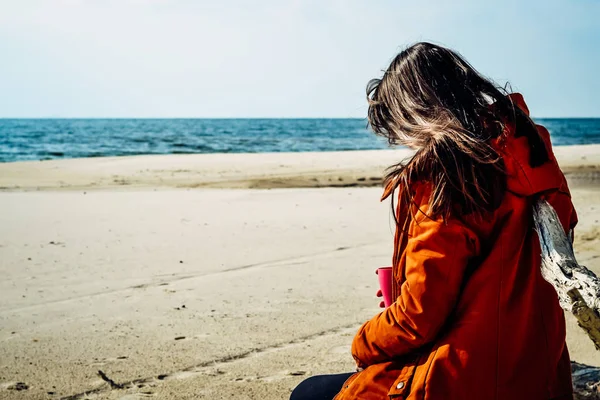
column 401, row 387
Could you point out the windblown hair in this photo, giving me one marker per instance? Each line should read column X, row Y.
column 430, row 99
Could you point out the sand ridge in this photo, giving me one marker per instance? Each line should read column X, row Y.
column 249, row 171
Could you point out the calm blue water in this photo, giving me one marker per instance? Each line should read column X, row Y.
column 42, row 139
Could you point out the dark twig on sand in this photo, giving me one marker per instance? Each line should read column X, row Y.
column 113, row 384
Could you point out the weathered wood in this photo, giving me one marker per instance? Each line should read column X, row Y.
column 586, row 381
column 577, row 287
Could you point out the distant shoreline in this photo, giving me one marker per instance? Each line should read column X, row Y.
column 361, row 168
column 60, row 155
column 58, row 139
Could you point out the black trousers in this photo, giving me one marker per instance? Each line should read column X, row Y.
column 320, row 387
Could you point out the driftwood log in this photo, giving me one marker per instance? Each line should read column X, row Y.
column 578, row 290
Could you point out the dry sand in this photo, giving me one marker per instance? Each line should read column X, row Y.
column 204, row 293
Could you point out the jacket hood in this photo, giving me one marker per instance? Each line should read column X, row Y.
column 522, row 179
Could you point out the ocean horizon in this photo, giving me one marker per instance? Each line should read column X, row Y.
column 57, row 138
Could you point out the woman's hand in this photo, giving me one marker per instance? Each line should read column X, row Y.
column 380, row 294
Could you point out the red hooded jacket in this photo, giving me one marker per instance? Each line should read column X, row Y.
column 473, row 319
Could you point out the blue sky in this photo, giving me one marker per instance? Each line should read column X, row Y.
column 279, row 58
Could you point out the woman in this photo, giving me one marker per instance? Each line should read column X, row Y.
column 473, row 317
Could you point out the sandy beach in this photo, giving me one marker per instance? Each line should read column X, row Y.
column 205, row 276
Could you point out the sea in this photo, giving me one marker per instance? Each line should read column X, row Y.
column 46, row 139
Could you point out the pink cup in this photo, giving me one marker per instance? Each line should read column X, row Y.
column 385, row 284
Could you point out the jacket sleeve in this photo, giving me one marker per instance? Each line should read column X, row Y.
column 436, row 257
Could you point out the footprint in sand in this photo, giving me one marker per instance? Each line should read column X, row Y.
column 280, row 376
column 588, row 235
column 102, row 361
column 135, row 396
column 340, row 350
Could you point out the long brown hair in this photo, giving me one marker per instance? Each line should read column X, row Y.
column 432, row 100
